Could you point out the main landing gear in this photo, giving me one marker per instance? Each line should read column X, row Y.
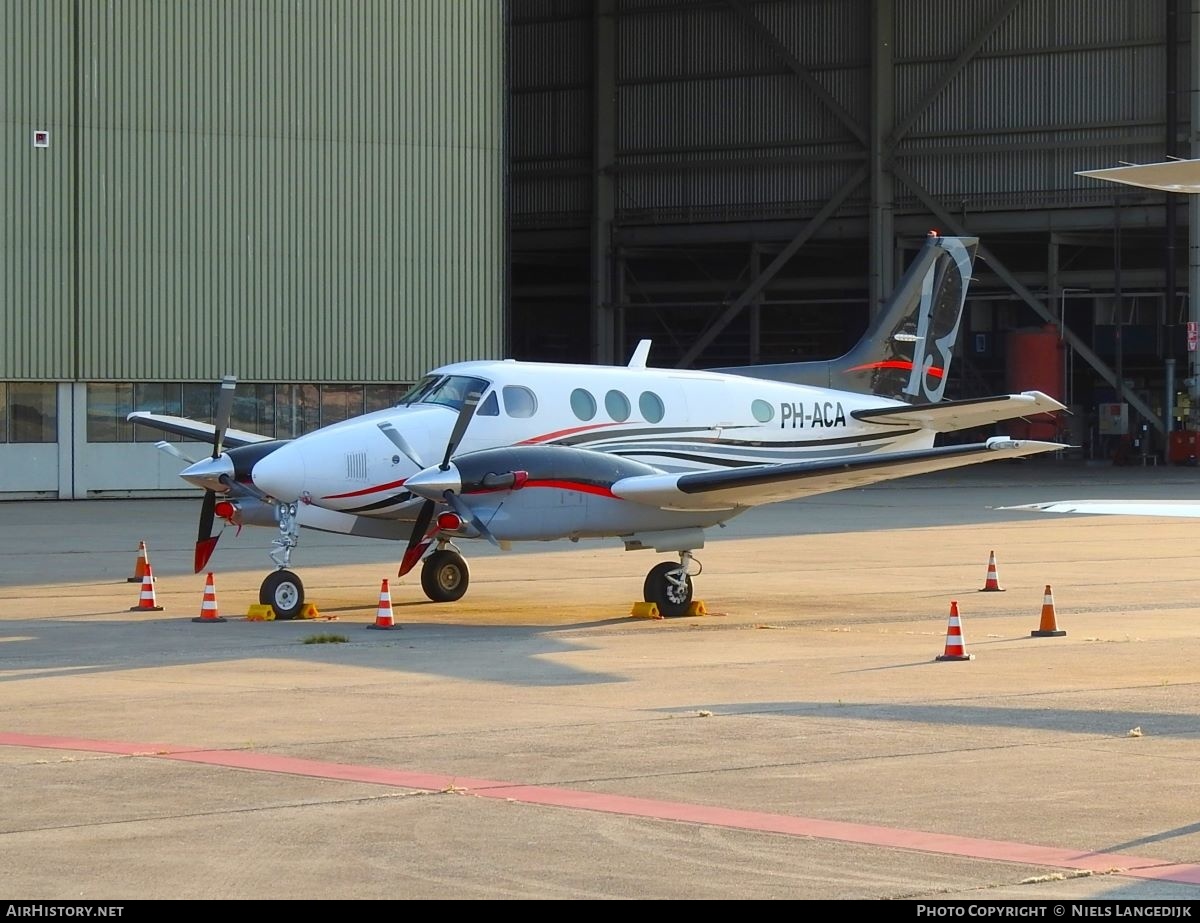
column 444, row 579
column 444, row 574
column 669, row 585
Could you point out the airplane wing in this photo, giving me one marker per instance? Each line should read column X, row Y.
column 947, row 416
column 1183, row 508
column 1170, row 176
column 193, row 429
column 759, row 484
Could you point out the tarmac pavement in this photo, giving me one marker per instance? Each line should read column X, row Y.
column 802, row 740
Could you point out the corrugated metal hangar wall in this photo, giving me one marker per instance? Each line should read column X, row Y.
column 292, row 192
column 741, row 180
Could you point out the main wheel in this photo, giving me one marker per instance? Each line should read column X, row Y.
column 444, row 576
column 283, row 592
column 672, row 595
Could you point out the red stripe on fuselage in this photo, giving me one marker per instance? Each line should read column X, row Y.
column 365, row 490
column 598, row 489
column 896, row 364
column 558, row 434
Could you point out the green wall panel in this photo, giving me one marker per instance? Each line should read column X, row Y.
column 37, row 190
column 300, row 190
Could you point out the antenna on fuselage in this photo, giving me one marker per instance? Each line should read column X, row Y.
column 640, row 355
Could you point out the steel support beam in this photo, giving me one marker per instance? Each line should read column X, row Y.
column 1081, row 349
column 759, row 28
column 883, row 187
column 722, row 320
column 604, row 102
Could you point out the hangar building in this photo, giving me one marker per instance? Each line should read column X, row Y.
column 327, row 199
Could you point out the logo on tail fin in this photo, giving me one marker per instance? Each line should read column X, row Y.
column 905, row 353
column 912, row 343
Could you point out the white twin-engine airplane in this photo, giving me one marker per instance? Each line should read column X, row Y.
column 511, row 451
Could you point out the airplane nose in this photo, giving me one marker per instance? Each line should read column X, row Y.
column 280, row 474
column 432, row 483
column 207, row 472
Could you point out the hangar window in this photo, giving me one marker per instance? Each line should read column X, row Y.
column 278, row 411
column 29, row 411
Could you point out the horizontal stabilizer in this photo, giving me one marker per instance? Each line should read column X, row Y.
column 1182, row 176
column 948, row 416
column 758, row 484
column 1179, row 508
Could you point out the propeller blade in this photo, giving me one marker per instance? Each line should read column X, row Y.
column 171, row 449
column 466, row 514
column 224, row 411
column 417, row 542
column 401, row 443
column 460, row 426
column 206, row 542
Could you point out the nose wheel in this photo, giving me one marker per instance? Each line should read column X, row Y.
column 284, row 593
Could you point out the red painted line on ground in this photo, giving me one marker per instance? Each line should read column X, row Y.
column 732, row 818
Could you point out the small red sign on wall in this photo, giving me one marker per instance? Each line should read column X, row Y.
column 41, row 138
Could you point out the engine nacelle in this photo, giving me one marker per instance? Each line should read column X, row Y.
column 247, row 511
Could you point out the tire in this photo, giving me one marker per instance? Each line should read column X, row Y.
column 283, row 592
column 672, row 600
column 444, row 576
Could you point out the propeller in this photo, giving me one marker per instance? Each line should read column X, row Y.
column 173, row 450
column 206, row 542
column 417, row 540
column 401, row 443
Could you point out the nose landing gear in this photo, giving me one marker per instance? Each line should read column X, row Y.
column 282, row 589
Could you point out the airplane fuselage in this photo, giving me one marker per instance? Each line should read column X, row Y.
column 674, row 420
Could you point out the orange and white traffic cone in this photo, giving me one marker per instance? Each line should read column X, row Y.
column 1048, row 628
column 992, row 584
column 208, row 607
column 142, row 567
column 383, row 615
column 954, row 639
column 147, row 601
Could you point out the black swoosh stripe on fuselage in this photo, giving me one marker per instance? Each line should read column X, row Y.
column 394, row 500
column 608, row 442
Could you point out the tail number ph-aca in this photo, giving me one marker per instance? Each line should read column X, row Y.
column 823, row 414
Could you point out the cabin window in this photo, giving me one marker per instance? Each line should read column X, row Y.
column 763, row 411
column 519, row 401
column 583, row 404
column 490, row 406
column 617, row 405
column 651, row 406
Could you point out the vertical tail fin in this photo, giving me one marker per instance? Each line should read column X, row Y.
column 905, row 354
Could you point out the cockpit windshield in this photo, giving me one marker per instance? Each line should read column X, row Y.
column 447, row 390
